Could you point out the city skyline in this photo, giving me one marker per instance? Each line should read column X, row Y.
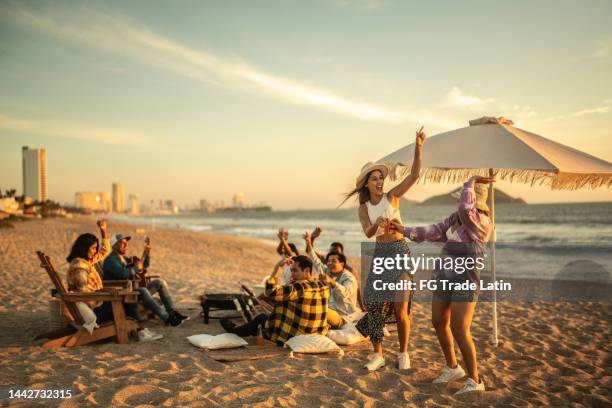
column 261, row 103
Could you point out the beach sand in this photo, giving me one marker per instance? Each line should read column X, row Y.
column 550, row 353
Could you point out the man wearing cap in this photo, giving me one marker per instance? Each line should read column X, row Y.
column 118, row 266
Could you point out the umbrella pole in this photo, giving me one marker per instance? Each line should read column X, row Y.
column 493, row 277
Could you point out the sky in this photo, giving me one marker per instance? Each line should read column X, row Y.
column 285, row 100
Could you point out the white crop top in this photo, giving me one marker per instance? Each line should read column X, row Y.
column 382, row 209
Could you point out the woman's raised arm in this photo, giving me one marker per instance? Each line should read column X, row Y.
column 415, row 171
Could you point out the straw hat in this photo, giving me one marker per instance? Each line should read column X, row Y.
column 482, row 193
column 366, row 169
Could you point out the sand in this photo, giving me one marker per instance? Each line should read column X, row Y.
column 551, row 353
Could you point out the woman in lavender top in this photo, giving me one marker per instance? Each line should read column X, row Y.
column 465, row 234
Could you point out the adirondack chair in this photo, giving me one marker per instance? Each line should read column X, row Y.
column 143, row 312
column 257, row 304
column 74, row 334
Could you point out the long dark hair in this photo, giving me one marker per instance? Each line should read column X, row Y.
column 81, row 246
column 363, row 192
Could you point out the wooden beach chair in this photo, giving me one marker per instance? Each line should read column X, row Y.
column 256, row 304
column 74, row 334
column 142, row 279
column 212, row 302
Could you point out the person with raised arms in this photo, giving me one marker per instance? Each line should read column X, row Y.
column 376, row 209
column 465, row 234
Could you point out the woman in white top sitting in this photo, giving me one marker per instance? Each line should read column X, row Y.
column 376, row 210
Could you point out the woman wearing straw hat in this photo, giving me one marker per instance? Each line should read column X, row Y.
column 376, row 210
column 465, row 234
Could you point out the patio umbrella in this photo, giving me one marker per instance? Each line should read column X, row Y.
column 493, row 147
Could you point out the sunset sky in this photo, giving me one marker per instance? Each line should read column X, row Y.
column 285, row 100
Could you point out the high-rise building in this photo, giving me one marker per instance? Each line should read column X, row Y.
column 34, row 166
column 118, row 198
column 100, row 202
column 134, row 204
column 238, row 200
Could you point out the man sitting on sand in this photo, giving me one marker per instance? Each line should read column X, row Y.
column 301, row 307
column 288, row 250
column 118, row 266
column 339, row 248
column 342, row 284
column 333, row 247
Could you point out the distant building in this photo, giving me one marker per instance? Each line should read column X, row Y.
column 170, row 206
column 97, row 202
column 34, row 166
column 238, row 200
column 205, row 206
column 9, row 205
column 118, row 198
column 134, row 204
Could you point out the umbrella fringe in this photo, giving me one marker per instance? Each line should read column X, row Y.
column 556, row 181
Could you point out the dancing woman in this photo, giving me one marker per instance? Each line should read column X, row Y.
column 376, row 209
column 465, row 233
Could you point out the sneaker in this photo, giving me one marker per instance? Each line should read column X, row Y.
column 470, row 385
column 449, row 374
column 227, row 325
column 182, row 316
column 376, row 362
column 145, row 335
column 175, row 319
column 403, row 362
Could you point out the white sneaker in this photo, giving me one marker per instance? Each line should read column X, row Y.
column 376, row 362
column 147, row 335
column 450, row 374
column 403, row 362
column 470, row 385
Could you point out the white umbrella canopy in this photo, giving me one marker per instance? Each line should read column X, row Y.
column 493, row 147
column 514, row 154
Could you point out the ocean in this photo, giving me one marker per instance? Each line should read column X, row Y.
column 546, row 241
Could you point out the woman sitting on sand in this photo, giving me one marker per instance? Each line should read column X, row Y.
column 452, row 310
column 375, row 211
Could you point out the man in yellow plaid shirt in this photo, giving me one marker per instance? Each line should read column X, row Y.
column 300, row 308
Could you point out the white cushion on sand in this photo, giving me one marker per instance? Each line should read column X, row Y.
column 311, row 343
column 354, row 317
column 347, row 335
column 90, row 320
column 220, row 341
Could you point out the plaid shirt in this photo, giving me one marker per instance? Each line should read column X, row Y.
column 301, row 308
column 84, row 275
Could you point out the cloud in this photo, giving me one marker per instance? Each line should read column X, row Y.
column 117, row 35
column 457, row 102
column 457, row 99
column 73, row 131
column 599, row 109
column 604, row 47
column 604, row 108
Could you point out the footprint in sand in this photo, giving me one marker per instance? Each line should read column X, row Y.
column 139, row 394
